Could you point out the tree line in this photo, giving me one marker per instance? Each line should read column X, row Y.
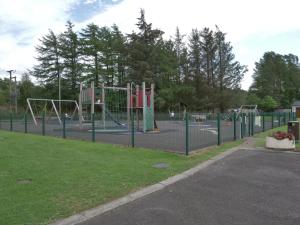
column 276, row 81
column 198, row 70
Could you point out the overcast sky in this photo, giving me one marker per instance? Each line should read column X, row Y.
column 253, row 27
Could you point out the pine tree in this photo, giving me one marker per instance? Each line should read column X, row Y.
column 142, row 51
column 72, row 62
column 179, row 48
column 208, row 54
column 49, row 67
column 229, row 72
column 91, row 49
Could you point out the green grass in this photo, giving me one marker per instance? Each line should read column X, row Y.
column 70, row 176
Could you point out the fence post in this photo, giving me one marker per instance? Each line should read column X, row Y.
column 132, row 129
column 242, row 126
column 249, row 124
column 64, row 126
column 93, row 127
column 252, row 123
column 285, row 122
column 263, row 122
column 25, row 123
column 234, row 126
column 43, row 124
column 187, row 140
column 272, row 118
column 11, row 121
column 219, row 128
column 0, row 120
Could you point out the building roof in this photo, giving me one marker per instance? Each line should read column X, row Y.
column 296, row 103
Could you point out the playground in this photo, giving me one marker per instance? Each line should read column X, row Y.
column 171, row 135
column 126, row 116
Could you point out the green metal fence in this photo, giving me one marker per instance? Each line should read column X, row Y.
column 180, row 133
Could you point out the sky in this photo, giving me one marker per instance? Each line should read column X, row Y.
column 253, row 27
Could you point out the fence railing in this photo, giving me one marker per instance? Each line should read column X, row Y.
column 185, row 133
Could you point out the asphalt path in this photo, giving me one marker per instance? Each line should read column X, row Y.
column 248, row 187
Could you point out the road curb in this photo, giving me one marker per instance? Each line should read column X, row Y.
column 90, row 213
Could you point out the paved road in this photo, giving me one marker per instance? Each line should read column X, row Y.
column 245, row 188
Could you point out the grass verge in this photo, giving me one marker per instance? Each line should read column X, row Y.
column 44, row 178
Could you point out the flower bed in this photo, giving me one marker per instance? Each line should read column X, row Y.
column 281, row 140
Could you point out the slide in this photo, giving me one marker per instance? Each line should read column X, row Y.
column 109, row 115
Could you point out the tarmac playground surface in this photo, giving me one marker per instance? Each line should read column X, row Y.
column 171, row 135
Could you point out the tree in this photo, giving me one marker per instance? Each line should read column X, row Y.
column 208, row 55
column 72, row 63
column 91, row 47
column 142, row 51
column 27, row 89
column 229, row 72
column 49, row 67
column 4, row 91
column 268, row 104
column 277, row 76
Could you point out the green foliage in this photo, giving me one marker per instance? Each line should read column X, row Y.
column 201, row 72
column 268, row 104
column 277, row 76
column 4, row 91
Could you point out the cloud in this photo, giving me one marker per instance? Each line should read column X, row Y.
column 253, row 27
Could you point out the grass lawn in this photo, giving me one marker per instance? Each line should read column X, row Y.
column 44, row 178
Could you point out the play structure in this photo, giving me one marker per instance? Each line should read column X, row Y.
column 246, row 110
column 52, row 109
column 116, row 107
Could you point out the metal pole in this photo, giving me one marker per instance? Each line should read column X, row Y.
column 31, row 111
column 132, row 130
column 278, row 118
column 272, row 117
column 219, row 128
column 15, row 96
column 43, row 124
column 187, row 140
column 103, row 106
column 80, row 106
column 128, row 105
column 253, row 124
column 11, row 121
column 263, row 122
column 243, row 125
column 234, row 126
column 56, row 112
column 25, row 122
column 93, row 127
column 249, row 124
column 59, row 93
column 93, row 98
column 64, row 126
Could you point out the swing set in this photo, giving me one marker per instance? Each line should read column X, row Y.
column 47, row 108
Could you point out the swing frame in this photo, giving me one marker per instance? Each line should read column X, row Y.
column 52, row 101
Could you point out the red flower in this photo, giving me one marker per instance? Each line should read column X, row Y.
column 280, row 135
